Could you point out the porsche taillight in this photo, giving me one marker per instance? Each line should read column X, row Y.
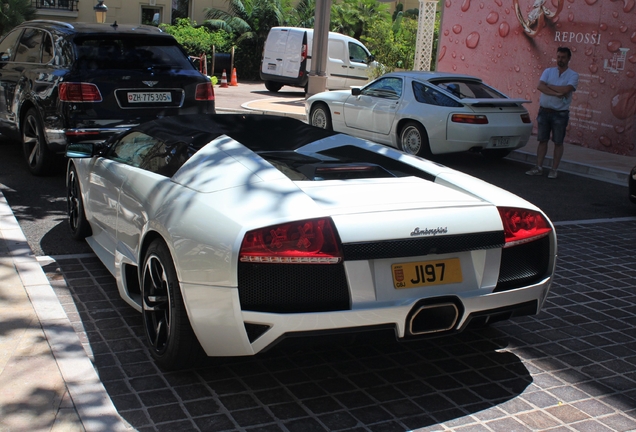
column 79, row 92
column 310, row 241
column 204, row 92
column 469, row 118
column 525, row 118
column 523, row 225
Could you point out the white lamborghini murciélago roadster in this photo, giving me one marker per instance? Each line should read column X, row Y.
column 229, row 232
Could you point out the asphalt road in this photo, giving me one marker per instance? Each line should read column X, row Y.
column 39, row 203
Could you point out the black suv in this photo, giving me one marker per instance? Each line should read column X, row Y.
column 83, row 82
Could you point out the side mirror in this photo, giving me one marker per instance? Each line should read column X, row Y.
column 80, row 150
column 370, row 59
column 356, row 91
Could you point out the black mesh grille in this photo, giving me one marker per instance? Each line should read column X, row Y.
column 423, row 246
column 293, row 288
column 524, row 264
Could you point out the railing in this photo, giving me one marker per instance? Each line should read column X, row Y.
column 66, row 5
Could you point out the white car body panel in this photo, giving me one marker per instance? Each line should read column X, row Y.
column 225, row 190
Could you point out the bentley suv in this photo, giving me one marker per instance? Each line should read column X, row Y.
column 66, row 83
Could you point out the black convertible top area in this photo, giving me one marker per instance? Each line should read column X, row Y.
column 256, row 132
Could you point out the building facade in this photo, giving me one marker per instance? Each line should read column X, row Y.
column 153, row 12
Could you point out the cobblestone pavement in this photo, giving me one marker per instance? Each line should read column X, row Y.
column 571, row 368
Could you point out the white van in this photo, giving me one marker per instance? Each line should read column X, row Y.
column 287, row 59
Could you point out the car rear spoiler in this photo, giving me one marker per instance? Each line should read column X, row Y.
column 493, row 102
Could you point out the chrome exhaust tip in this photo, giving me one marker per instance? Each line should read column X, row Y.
column 433, row 318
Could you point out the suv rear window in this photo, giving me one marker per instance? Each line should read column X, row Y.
column 134, row 53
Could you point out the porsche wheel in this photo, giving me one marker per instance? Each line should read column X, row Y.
column 273, row 86
column 172, row 341
column 80, row 228
column 413, row 140
column 320, row 116
column 36, row 152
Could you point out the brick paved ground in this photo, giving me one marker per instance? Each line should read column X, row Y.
column 571, row 368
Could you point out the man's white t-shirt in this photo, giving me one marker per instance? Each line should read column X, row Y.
column 550, row 76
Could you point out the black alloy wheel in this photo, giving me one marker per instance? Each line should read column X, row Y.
column 36, row 152
column 80, row 228
column 172, row 341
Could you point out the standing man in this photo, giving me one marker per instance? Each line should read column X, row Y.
column 556, row 86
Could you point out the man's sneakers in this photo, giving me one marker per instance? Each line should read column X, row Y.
column 536, row 171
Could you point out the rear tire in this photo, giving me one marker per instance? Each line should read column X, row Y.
column 170, row 337
column 39, row 158
column 80, row 228
column 273, row 86
column 320, row 116
column 413, row 140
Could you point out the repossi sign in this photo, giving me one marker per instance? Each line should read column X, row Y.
column 508, row 43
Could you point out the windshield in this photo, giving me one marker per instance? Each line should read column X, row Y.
column 130, row 53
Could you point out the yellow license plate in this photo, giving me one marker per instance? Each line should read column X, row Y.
column 426, row 273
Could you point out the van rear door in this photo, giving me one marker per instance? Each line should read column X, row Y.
column 283, row 55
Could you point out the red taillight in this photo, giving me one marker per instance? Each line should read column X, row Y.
column 526, row 118
column 79, row 92
column 522, row 225
column 204, row 92
column 303, row 52
column 469, row 118
column 311, row 241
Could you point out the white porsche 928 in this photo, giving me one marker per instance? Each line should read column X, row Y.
column 230, row 232
column 426, row 113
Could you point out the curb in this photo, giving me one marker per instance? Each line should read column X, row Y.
column 607, row 175
column 90, row 399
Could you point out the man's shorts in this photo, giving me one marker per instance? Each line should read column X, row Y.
column 552, row 121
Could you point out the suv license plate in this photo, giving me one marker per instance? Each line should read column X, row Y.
column 145, row 97
column 426, row 273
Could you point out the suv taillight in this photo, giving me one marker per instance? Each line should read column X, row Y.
column 523, row 225
column 310, row 241
column 79, row 92
column 204, row 92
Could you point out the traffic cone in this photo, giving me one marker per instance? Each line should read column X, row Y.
column 223, row 80
column 234, row 81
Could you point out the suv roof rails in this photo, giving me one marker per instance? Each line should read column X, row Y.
column 62, row 23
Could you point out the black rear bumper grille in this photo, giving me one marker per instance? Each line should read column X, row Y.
column 524, row 264
column 293, row 288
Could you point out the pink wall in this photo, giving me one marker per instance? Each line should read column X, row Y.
column 508, row 43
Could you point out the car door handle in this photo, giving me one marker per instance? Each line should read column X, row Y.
column 344, row 66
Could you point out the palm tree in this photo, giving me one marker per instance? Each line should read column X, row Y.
column 303, row 14
column 14, row 12
column 249, row 21
column 352, row 17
